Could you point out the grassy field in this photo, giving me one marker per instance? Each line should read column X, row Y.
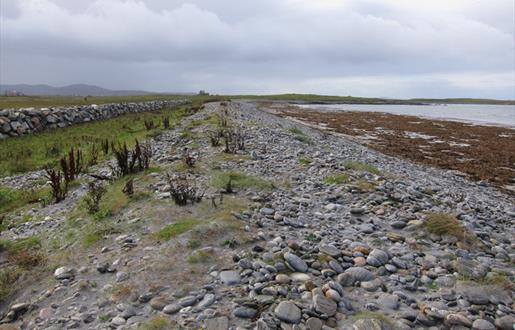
column 55, row 101
column 467, row 101
column 357, row 100
column 36, row 151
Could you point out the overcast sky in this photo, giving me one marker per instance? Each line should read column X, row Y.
column 389, row 48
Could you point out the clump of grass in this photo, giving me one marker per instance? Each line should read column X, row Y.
column 121, row 291
column 363, row 185
column 300, row 135
column 240, row 180
column 296, row 130
column 194, row 243
column 174, row 229
column 95, row 233
column 157, row 323
column 337, row 179
column 8, row 277
column 447, row 224
column 32, row 242
column 114, row 199
column 304, row 161
column 200, row 256
column 359, row 166
column 12, row 199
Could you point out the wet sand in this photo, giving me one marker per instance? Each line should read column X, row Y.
column 481, row 152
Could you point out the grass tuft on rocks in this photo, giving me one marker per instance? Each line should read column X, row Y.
column 239, row 180
column 339, row 178
column 177, row 228
column 359, row 166
column 156, row 323
column 200, row 256
column 8, row 277
column 12, row 199
column 447, row 224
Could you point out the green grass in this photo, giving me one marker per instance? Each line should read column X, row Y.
column 339, row 178
column 95, row 233
column 56, row 101
column 35, row 151
column 23, row 244
column 359, row 166
column 364, row 100
column 447, row 224
column 157, row 323
column 300, row 135
column 304, row 161
column 115, row 200
column 7, row 279
column 12, row 199
column 239, row 180
column 175, row 229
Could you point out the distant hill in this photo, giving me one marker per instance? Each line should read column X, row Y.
column 70, row 90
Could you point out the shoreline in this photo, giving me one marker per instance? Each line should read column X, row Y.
column 483, row 153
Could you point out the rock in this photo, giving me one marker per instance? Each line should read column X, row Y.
column 366, row 228
column 330, row 250
column 353, row 275
column 377, row 258
column 314, row 323
column 371, row 285
column 267, row 211
column 398, row 224
column 299, row 277
column 505, row 323
column 19, row 308
column 64, row 273
column 283, row 278
column 295, row 263
column 357, row 210
column 158, row 303
column 230, row 277
column 367, row 324
column 481, row 324
column 457, row 319
column 324, row 305
column 390, row 301
column 122, row 276
column 217, row 323
column 171, row 308
column 118, row 321
column 245, row 312
column 207, row 301
column 476, row 296
column 288, row 312
column 188, row 301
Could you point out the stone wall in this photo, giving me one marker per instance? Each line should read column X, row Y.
column 16, row 122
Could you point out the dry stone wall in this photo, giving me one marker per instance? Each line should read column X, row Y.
column 17, row 122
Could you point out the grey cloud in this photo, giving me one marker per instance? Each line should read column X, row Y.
column 266, row 46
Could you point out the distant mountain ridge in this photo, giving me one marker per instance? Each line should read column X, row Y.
column 69, row 90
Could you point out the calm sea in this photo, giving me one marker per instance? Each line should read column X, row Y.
column 494, row 115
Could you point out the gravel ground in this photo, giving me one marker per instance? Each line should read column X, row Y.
column 334, row 245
